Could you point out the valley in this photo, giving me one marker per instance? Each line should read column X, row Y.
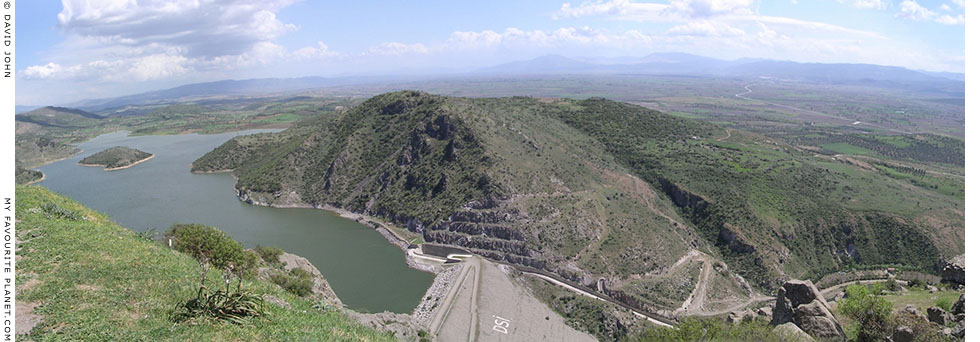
column 699, row 207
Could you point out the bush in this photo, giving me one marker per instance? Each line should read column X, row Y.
column 55, row 211
column 945, row 304
column 270, row 254
column 892, row 285
column 713, row 329
column 213, row 248
column 148, row 235
column 871, row 311
column 297, row 281
column 917, row 283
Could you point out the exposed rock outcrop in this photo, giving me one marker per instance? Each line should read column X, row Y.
column 800, row 303
column 939, row 316
column 911, row 310
column 790, row 330
column 954, row 272
column 320, row 285
column 903, row 334
column 959, row 307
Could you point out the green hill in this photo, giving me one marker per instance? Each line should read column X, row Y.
column 92, row 280
column 60, row 117
column 116, row 158
column 595, row 188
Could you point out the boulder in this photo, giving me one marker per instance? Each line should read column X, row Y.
column 903, row 334
column 954, row 272
column 764, row 312
column 790, row 330
column 912, row 310
column 800, row 303
column 733, row 318
column 817, row 320
column 959, row 331
column 939, row 316
column 740, row 316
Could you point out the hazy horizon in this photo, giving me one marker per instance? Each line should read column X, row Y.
column 80, row 50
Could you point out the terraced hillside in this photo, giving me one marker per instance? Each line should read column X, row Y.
column 594, row 189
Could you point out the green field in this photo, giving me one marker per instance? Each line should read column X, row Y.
column 845, row 148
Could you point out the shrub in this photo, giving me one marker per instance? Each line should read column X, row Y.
column 870, row 311
column 220, row 305
column 945, row 304
column 148, row 235
column 270, row 254
column 55, row 211
column 297, row 281
column 213, row 248
column 892, row 285
column 713, row 329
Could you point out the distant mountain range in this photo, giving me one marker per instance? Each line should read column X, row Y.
column 686, row 64
column 939, row 83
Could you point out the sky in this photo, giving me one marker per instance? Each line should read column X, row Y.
column 82, row 49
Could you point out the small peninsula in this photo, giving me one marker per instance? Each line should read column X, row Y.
column 116, row 158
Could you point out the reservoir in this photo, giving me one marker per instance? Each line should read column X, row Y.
column 367, row 273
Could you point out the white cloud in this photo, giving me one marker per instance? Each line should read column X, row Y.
column 610, row 8
column 129, row 41
column 157, row 67
column 945, row 7
column 684, row 11
column 397, row 49
column 705, row 28
column 199, row 28
column 675, row 10
column 513, row 38
column 321, row 50
column 50, row 71
column 960, row 3
column 910, row 9
column 708, row 8
column 865, row 4
column 951, row 20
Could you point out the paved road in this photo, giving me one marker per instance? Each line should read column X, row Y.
column 484, row 304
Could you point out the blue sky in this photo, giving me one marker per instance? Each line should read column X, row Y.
column 80, row 49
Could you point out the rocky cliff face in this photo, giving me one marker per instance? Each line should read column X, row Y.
column 954, row 271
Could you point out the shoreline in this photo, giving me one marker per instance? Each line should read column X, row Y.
column 379, row 226
column 212, row 172
column 37, row 180
column 121, row 167
column 435, row 292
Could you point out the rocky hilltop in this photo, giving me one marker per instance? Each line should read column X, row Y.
column 592, row 189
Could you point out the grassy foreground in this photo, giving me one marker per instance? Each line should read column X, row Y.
column 93, row 280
